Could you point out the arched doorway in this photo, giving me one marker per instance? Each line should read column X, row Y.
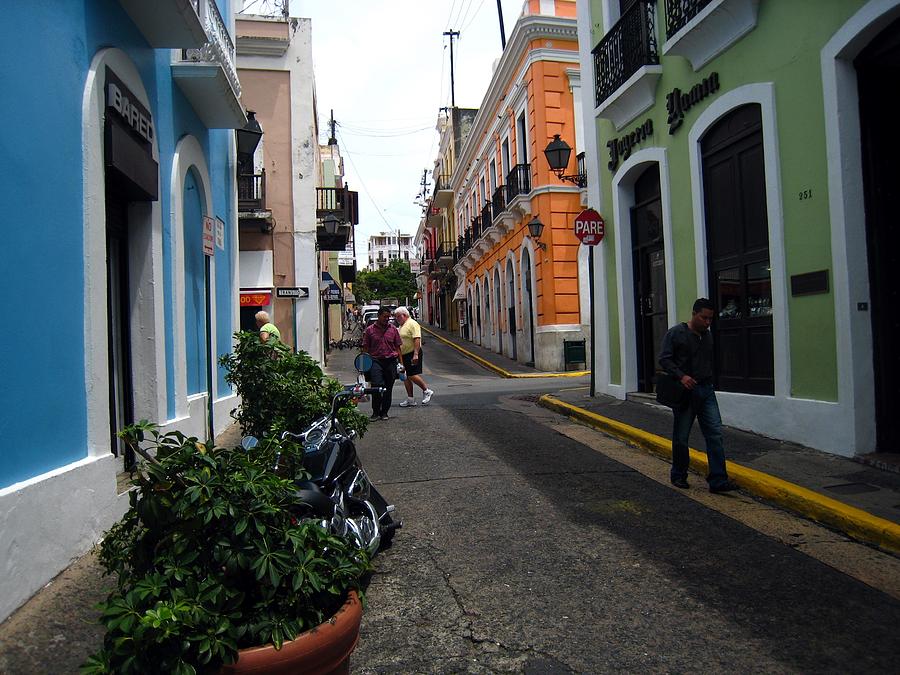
column 877, row 68
column 195, row 291
column 528, row 302
column 511, row 307
column 477, row 331
column 737, row 235
column 488, row 336
column 649, row 268
column 498, row 308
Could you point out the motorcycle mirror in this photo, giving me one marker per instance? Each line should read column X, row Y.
column 363, row 363
column 249, row 442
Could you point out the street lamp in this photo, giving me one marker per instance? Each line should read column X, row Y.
column 331, row 223
column 535, row 228
column 248, row 139
column 557, row 153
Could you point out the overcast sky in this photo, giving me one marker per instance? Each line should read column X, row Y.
column 383, row 66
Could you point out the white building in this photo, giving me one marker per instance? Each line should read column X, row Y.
column 387, row 246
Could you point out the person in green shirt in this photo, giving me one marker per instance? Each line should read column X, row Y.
column 266, row 329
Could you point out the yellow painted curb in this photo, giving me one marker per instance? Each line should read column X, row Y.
column 855, row 522
column 501, row 371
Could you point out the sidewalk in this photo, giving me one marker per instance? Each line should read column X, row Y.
column 498, row 363
column 852, row 497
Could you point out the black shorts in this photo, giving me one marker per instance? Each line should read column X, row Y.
column 413, row 368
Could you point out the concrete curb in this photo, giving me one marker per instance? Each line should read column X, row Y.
column 497, row 369
column 850, row 520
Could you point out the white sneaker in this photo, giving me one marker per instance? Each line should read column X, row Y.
column 409, row 403
column 426, row 396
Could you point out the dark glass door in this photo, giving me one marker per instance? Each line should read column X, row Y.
column 737, row 239
column 649, row 265
column 118, row 307
column 878, row 70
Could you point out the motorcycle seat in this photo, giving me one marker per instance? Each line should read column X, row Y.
column 310, row 493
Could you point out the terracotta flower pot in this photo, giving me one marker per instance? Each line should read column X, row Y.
column 321, row 650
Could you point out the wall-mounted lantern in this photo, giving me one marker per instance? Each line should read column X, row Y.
column 557, row 153
column 535, row 228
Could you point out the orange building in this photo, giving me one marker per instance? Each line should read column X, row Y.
column 519, row 290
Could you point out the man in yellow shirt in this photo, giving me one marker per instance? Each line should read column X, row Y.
column 411, row 352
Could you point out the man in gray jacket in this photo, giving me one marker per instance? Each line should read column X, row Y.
column 687, row 354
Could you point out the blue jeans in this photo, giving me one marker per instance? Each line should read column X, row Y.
column 704, row 407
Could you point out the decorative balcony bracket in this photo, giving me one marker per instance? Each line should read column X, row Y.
column 504, row 222
column 713, row 30
column 632, row 98
column 492, row 236
column 520, row 207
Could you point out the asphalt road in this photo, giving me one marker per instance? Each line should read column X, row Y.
column 526, row 550
column 535, row 545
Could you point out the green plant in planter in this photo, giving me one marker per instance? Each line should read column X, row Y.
column 279, row 389
column 210, row 560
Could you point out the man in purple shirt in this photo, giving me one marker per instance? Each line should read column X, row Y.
column 382, row 342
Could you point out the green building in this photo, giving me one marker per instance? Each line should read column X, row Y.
column 744, row 150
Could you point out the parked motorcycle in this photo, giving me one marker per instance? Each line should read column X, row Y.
column 339, row 495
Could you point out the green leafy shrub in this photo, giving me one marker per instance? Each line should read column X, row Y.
column 209, row 559
column 281, row 390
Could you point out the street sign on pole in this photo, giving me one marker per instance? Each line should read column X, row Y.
column 292, row 292
column 209, row 237
column 589, row 227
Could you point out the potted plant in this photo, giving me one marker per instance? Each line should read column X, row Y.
column 279, row 389
column 210, row 561
column 214, row 572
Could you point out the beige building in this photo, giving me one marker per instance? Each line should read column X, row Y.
column 277, row 186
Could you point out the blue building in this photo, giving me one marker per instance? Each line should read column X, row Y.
column 119, row 255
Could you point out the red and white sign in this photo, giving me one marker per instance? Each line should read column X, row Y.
column 209, row 237
column 589, row 227
column 256, row 299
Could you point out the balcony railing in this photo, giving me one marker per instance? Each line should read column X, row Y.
column 341, row 202
column 442, row 193
column 441, row 183
column 487, row 219
column 518, row 182
column 252, row 192
column 477, row 229
column 220, row 47
column 498, row 200
column 582, row 169
column 629, row 45
column 680, row 12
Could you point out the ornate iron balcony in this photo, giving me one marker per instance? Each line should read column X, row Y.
column 629, row 45
column 252, row 192
column 498, row 200
column 476, row 228
column 518, row 182
column 680, row 12
column 220, row 47
column 486, row 218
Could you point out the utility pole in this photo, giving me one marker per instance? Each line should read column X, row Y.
column 331, row 139
column 425, row 186
column 452, row 34
column 502, row 32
